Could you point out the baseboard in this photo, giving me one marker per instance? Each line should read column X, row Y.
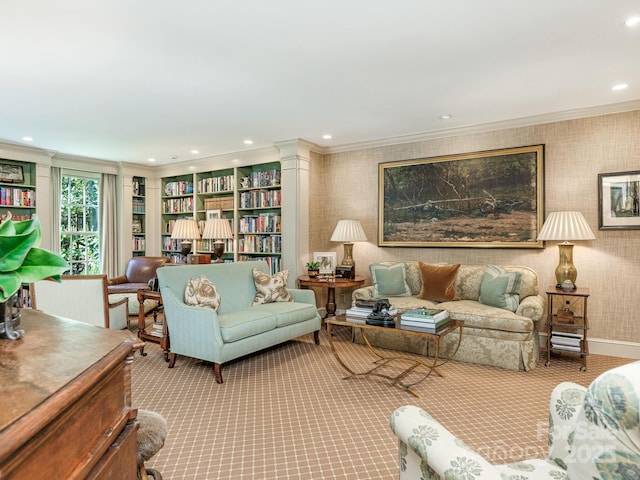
column 611, row 348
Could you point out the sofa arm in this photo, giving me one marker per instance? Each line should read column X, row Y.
column 194, row 331
column 531, row 307
column 119, row 314
column 302, row 295
column 426, row 445
column 117, row 280
column 565, row 405
column 363, row 293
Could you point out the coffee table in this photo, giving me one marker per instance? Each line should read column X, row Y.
column 384, row 358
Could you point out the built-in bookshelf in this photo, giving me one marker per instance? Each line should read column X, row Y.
column 17, row 189
column 259, row 226
column 138, row 214
column 177, row 202
column 215, row 198
column 249, row 197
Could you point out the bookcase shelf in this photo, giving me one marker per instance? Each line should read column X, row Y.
column 18, row 197
column 138, row 214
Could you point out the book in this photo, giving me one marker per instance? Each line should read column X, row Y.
column 575, row 342
column 433, row 314
column 424, row 321
column 364, row 312
column 425, row 329
column 360, row 320
column 568, row 348
column 411, row 322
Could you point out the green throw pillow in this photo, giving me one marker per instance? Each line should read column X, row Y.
column 389, row 280
column 500, row 289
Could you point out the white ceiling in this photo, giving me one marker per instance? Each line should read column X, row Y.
column 127, row 80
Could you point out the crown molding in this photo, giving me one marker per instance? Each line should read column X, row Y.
column 489, row 127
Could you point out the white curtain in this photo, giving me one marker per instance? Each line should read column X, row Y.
column 56, row 193
column 109, row 226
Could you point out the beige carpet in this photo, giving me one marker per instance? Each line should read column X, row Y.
column 287, row 412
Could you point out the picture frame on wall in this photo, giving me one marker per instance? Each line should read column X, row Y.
column 488, row 199
column 327, row 262
column 619, row 201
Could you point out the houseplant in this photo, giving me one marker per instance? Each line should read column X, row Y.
column 21, row 261
column 313, row 268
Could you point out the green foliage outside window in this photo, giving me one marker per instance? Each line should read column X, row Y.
column 79, row 224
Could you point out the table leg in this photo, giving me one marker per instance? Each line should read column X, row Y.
column 141, row 320
column 331, row 302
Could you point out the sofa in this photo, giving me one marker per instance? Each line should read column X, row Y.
column 593, row 434
column 503, row 336
column 220, row 312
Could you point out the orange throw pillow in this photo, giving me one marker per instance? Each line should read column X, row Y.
column 438, row 282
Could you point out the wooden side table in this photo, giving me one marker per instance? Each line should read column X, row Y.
column 305, row 281
column 567, row 323
column 151, row 336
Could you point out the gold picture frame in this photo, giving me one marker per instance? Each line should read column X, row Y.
column 489, row 199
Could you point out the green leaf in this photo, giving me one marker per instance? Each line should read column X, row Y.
column 9, row 284
column 14, row 247
column 40, row 264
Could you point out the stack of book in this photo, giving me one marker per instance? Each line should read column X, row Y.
column 361, row 311
column 428, row 320
column 566, row 341
column 156, row 329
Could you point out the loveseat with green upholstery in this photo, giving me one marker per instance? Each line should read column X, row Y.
column 238, row 327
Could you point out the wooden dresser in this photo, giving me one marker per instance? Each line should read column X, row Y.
column 65, row 396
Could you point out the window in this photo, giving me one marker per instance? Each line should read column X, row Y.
column 79, row 222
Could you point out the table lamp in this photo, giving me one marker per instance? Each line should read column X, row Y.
column 187, row 231
column 566, row 226
column 218, row 230
column 348, row 231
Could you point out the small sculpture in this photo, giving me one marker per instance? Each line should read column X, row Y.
column 380, row 315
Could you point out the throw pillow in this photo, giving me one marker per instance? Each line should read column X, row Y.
column 201, row 292
column 438, row 282
column 389, row 280
column 500, row 289
column 271, row 288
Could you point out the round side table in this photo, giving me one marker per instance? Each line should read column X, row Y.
column 305, row 281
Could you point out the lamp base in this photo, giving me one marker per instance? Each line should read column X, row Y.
column 186, row 250
column 566, row 271
column 218, row 251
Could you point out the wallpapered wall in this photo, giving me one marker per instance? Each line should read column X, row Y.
column 345, row 185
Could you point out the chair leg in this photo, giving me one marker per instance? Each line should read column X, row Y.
column 217, row 370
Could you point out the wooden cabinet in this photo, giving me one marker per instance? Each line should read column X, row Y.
column 567, row 323
column 66, row 396
column 138, row 214
column 17, row 189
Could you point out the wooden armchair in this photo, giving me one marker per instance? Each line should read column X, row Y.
column 80, row 297
column 139, row 271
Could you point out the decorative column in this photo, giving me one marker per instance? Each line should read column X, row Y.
column 294, row 160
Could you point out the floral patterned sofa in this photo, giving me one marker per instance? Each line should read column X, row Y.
column 594, row 433
column 491, row 335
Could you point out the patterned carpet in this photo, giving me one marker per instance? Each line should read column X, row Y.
column 287, row 412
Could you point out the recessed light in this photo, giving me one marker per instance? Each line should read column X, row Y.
column 445, row 117
column 195, row 151
column 27, row 139
column 326, row 136
column 632, row 21
column 151, row 160
column 191, row 167
column 248, row 142
column 620, row 86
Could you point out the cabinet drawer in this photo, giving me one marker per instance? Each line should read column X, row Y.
column 120, row 460
column 77, row 437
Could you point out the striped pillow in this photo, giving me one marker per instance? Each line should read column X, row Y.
column 500, row 289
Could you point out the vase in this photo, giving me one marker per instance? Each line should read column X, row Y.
column 10, row 317
column 312, row 273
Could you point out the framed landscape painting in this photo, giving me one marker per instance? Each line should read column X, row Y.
column 490, row 199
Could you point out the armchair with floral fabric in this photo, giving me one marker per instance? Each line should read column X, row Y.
column 594, row 433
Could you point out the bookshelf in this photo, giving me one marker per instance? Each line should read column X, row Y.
column 177, row 201
column 17, row 189
column 259, row 226
column 138, row 214
column 215, row 196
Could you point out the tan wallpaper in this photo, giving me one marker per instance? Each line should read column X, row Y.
column 345, row 186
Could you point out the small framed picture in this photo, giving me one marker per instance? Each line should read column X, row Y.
column 619, row 201
column 327, row 262
column 11, row 173
column 211, row 214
